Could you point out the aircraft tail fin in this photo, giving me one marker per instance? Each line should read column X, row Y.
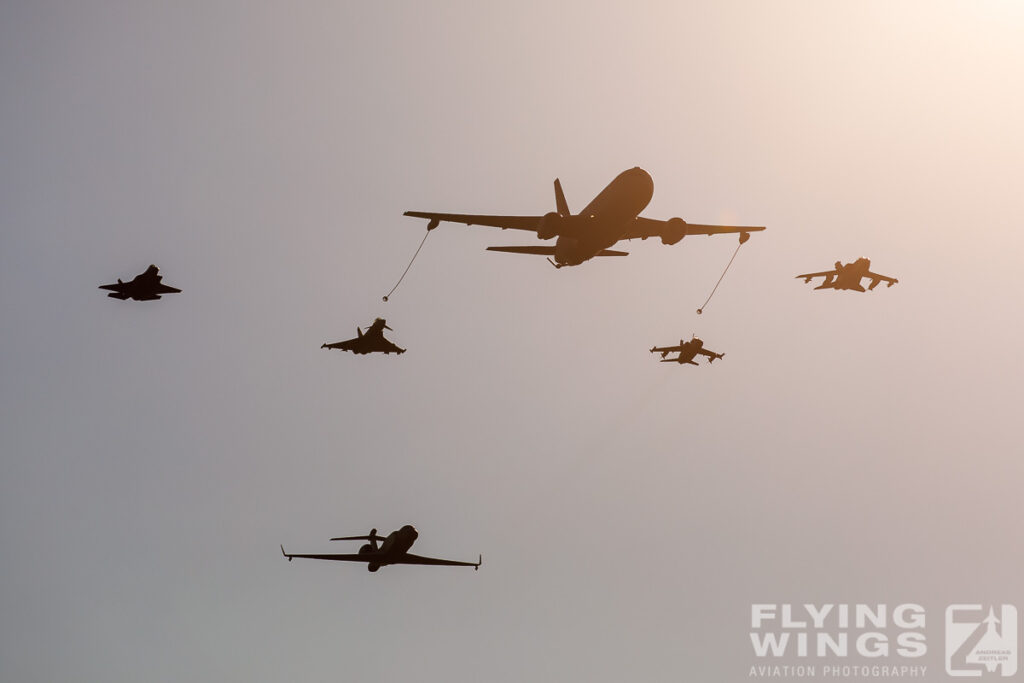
column 560, row 203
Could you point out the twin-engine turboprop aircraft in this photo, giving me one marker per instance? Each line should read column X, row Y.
column 849, row 276
column 394, row 550
column 613, row 215
column 144, row 287
column 688, row 350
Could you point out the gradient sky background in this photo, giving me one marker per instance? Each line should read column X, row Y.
column 850, row 448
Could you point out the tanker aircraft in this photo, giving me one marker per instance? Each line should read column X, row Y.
column 612, row 216
column 144, row 287
column 849, row 276
column 393, row 550
column 688, row 350
column 371, row 342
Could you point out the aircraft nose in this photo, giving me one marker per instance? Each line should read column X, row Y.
column 642, row 181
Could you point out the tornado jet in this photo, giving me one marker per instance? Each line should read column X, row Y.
column 371, row 341
column 144, row 287
column 849, row 276
column 688, row 350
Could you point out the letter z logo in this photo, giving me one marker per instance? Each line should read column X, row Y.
column 981, row 641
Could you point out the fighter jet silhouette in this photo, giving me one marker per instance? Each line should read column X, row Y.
column 369, row 342
column 144, row 287
column 849, row 276
column 688, row 350
column 394, row 550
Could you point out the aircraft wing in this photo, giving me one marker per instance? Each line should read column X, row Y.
column 825, row 273
column 666, row 349
column 166, row 289
column 409, row 558
column 344, row 558
column 671, row 231
column 504, row 222
column 876, row 278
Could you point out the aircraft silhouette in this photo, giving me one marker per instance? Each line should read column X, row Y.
column 688, row 350
column 612, row 216
column 372, row 341
column 394, row 550
column 849, row 276
column 144, row 287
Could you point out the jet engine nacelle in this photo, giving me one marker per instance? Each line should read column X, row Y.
column 550, row 225
column 676, row 231
column 372, row 566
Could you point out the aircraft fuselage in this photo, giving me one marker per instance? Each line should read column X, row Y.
column 688, row 353
column 849, row 276
column 606, row 219
column 395, row 545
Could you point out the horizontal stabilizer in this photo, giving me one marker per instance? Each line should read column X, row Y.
column 548, row 251
column 538, row 251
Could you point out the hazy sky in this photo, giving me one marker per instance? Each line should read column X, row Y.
column 849, row 448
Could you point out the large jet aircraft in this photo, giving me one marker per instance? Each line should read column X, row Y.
column 613, row 215
column 394, row 550
column 144, row 287
column 849, row 276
